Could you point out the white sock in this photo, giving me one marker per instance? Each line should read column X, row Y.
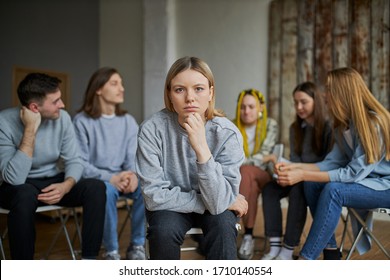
column 275, row 244
column 286, row 252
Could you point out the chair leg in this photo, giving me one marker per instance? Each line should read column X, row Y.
column 345, row 232
column 128, row 218
column 366, row 229
column 64, row 229
column 2, row 248
column 77, row 225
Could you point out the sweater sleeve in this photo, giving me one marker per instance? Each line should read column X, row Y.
column 220, row 177
column 14, row 164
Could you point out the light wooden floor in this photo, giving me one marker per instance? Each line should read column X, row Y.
column 47, row 227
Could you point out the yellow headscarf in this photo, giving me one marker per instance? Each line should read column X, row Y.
column 261, row 126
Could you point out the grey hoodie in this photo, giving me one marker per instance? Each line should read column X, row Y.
column 170, row 176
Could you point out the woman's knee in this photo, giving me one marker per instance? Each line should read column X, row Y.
column 312, row 189
column 332, row 190
column 166, row 226
column 296, row 192
column 223, row 223
column 271, row 189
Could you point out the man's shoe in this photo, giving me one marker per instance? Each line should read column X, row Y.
column 136, row 253
column 247, row 247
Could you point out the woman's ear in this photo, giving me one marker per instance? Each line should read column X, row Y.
column 211, row 93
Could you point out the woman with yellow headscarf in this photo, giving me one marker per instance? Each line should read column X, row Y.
column 260, row 134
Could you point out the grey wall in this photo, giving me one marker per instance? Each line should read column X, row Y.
column 77, row 37
column 121, row 46
column 232, row 37
column 60, row 36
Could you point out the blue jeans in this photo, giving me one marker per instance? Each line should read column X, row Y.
column 110, row 234
column 167, row 229
column 329, row 199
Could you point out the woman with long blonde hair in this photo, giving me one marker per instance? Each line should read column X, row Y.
column 356, row 173
column 188, row 161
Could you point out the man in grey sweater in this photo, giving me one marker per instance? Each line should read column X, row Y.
column 33, row 139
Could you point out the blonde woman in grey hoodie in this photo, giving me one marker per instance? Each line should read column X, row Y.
column 188, row 161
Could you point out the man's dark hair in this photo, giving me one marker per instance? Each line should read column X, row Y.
column 35, row 86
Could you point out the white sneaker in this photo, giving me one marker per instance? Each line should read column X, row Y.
column 136, row 253
column 247, row 247
column 112, row 255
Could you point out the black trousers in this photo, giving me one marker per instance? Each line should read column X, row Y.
column 296, row 212
column 22, row 202
column 167, row 229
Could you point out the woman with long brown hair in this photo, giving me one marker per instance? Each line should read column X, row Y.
column 356, row 173
column 310, row 139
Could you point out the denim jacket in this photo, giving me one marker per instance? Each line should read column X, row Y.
column 346, row 162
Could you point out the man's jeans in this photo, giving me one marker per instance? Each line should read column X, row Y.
column 110, row 234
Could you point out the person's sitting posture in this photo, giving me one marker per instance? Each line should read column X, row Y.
column 107, row 136
column 260, row 134
column 33, row 139
column 188, row 161
column 310, row 139
column 355, row 173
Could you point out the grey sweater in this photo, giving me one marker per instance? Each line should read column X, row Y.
column 170, row 176
column 107, row 145
column 55, row 139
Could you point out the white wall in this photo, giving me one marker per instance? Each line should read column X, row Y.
column 231, row 36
